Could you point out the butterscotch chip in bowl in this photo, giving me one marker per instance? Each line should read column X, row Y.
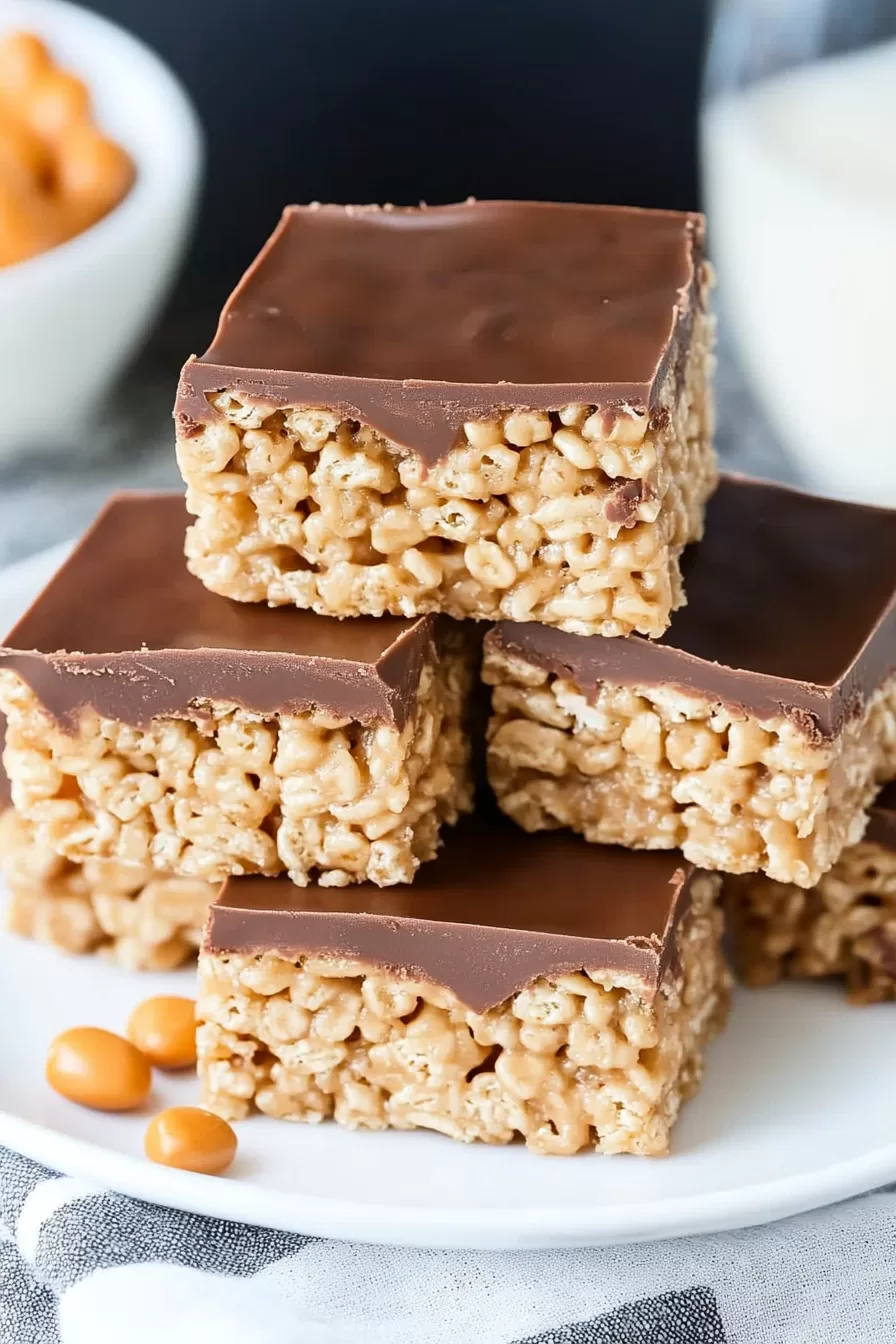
column 58, row 172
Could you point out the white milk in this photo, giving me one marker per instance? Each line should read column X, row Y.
column 800, row 180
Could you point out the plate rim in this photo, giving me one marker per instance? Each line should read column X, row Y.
column 426, row 1226
column 448, row 1228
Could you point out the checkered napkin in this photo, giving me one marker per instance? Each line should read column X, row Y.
column 79, row 1265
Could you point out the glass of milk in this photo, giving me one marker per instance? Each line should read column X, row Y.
column 799, row 164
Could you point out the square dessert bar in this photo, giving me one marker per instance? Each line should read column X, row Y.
column 844, row 927
column 495, row 409
column 532, row 986
column 133, row 916
column 153, row 723
column 754, row 734
column 130, row 915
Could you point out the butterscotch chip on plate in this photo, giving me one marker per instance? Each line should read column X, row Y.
column 525, row 986
column 844, row 928
column 754, row 734
column 494, row 410
column 157, row 725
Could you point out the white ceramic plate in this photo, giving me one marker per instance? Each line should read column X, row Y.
column 798, row 1110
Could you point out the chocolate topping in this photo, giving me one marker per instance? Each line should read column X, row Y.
column 416, row 320
column 125, row 629
column 791, row 609
column 495, row 910
column 881, row 828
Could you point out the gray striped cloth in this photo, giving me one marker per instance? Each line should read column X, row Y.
column 79, row 1265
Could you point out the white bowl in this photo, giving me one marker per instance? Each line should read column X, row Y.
column 71, row 318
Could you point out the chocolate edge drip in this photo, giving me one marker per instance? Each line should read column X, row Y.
column 446, row 953
column 135, row 688
column 149, row 677
column 426, row 417
column 421, row 418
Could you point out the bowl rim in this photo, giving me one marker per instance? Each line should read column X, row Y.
column 183, row 166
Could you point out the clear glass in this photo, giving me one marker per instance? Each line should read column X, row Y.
column 798, row 136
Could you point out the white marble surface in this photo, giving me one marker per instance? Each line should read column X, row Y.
column 48, row 497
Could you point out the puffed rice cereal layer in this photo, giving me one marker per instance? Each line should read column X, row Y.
column 590, row 1060
column 131, row 916
column 575, row 517
column 844, row 927
column 230, row 792
column 650, row 767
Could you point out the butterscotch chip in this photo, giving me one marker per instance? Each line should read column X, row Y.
column 492, row 410
column 58, row 173
column 98, row 1069
column 24, row 59
column 55, row 101
column 164, row 1030
column 191, row 1139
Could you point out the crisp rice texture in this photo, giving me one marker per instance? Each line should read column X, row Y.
column 325, row 800
column 844, row 927
column 650, row 767
column 570, row 1062
column 132, row 916
column 298, row 506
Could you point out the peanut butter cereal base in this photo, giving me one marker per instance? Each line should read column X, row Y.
column 650, row 767
column 567, row 517
column 323, row 799
column 845, row 927
column 589, row 1060
column 131, row 916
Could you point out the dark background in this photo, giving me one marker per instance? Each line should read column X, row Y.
column 408, row 100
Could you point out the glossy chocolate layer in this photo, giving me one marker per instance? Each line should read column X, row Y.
column 881, row 828
column 495, row 910
column 416, row 320
column 791, row 609
column 124, row 629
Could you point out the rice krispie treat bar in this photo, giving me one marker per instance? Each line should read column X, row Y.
column 844, row 927
column 495, row 409
column 530, row 986
column 155, row 724
column 133, row 916
column 755, row 733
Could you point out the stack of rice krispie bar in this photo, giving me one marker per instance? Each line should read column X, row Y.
column 415, row 430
